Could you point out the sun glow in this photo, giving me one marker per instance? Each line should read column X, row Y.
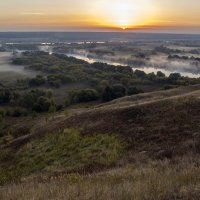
column 124, row 14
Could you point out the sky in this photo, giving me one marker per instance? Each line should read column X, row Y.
column 176, row 16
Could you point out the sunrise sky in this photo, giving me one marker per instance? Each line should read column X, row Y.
column 100, row 15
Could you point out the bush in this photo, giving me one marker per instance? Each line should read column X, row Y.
column 114, row 92
column 160, row 74
column 38, row 100
column 140, row 74
column 5, row 96
column 85, row 95
column 133, row 90
column 43, row 104
column 30, row 98
column 119, row 91
column 2, row 113
column 17, row 113
column 56, row 83
column 59, row 107
column 67, row 102
column 107, row 94
column 37, row 81
column 174, row 77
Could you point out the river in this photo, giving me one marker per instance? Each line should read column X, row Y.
column 146, row 69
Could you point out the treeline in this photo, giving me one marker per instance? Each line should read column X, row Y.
column 58, row 70
column 166, row 50
column 104, row 93
column 24, row 103
column 102, row 82
column 138, row 77
column 177, row 57
column 39, row 101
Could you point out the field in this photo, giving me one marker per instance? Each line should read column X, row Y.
column 71, row 129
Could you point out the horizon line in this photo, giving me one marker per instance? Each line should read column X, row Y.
column 123, row 32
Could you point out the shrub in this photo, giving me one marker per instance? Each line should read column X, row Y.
column 5, row 96
column 59, row 107
column 160, row 74
column 17, row 112
column 107, row 94
column 30, row 98
column 85, row 95
column 56, row 83
column 133, row 90
column 37, row 81
column 140, row 74
column 119, row 91
column 174, row 77
column 2, row 113
column 42, row 105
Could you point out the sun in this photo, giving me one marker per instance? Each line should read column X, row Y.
column 123, row 14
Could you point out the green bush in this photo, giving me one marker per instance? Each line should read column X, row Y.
column 5, row 96
column 85, row 95
column 43, row 104
column 107, row 94
column 133, row 90
column 114, row 92
column 37, row 81
column 118, row 91
column 30, row 98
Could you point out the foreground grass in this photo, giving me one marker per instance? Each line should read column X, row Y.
column 159, row 180
column 60, row 153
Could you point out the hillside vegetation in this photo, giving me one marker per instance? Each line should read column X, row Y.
column 138, row 147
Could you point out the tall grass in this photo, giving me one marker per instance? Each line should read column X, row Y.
column 155, row 180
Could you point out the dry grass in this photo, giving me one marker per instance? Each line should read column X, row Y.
column 155, row 180
column 153, row 125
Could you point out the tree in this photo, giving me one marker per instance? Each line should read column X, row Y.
column 160, row 74
column 2, row 114
column 174, row 77
column 5, row 96
column 52, row 109
column 30, row 98
column 37, row 81
column 140, row 74
column 43, row 104
column 107, row 94
column 133, row 90
column 119, row 91
column 85, row 95
column 49, row 94
column 151, row 76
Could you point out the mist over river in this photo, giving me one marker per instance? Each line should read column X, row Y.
column 163, row 66
column 9, row 71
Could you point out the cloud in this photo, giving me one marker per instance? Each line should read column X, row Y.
column 32, row 13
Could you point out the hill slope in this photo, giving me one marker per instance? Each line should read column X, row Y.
column 151, row 121
column 149, row 142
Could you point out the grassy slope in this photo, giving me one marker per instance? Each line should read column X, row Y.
column 155, row 126
column 62, row 152
column 149, row 122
